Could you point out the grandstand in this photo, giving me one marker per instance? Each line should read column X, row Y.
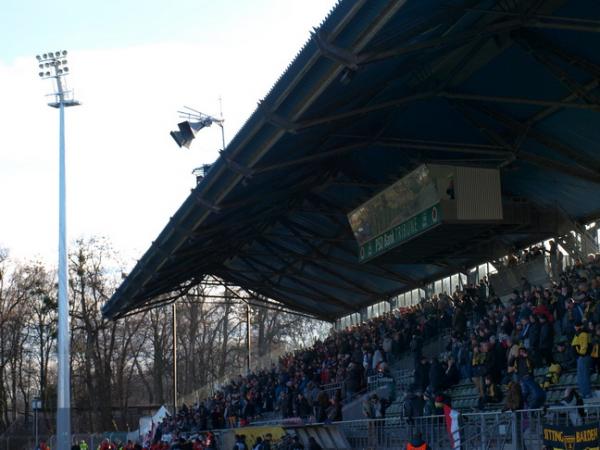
column 414, row 157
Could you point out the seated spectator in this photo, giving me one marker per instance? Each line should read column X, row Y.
column 564, row 355
column 552, row 377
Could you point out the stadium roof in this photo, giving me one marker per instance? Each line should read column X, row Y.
column 380, row 87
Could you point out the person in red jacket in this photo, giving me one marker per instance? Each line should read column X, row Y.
column 417, row 443
column 43, row 445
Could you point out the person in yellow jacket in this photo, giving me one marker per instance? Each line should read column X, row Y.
column 595, row 353
column 83, row 445
column 581, row 343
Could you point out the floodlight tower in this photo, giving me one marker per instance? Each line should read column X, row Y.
column 54, row 65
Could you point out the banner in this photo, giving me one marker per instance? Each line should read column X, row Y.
column 584, row 437
column 452, row 427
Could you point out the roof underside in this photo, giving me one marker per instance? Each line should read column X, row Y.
column 381, row 87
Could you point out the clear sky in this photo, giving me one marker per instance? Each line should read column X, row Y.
column 133, row 64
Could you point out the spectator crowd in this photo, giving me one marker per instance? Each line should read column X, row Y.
column 498, row 345
column 493, row 343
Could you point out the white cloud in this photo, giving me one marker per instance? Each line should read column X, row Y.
column 126, row 176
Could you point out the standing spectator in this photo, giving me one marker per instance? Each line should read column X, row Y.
column 258, row 444
column 595, row 352
column 387, row 347
column 322, row 406
column 413, row 404
column 514, row 399
column 334, row 411
column 521, row 366
column 417, row 443
column 436, row 375
column 491, row 393
column 534, row 339
column 546, row 340
column 533, row 394
column 572, row 399
column 352, row 380
column 581, row 344
column 451, row 374
column 416, row 345
column 296, row 444
column 422, row 373
column 459, row 322
column 378, row 358
column 478, row 368
column 301, row 406
column 554, row 259
column 240, row 442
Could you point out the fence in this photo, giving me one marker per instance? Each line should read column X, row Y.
column 518, row 430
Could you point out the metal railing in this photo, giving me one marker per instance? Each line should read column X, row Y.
column 497, row 430
column 485, row 430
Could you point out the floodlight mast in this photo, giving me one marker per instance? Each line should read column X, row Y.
column 53, row 65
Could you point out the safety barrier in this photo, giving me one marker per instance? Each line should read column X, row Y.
column 496, row 430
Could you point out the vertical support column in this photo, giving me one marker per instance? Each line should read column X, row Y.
column 63, row 413
column 248, row 337
column 35, row 413
column 363, row 314
column 483, row 430
column 516, row 431
column 174, row 308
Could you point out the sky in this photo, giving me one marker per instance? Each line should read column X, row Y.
column 132, row 64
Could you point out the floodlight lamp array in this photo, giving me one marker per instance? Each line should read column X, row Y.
column 52, row 64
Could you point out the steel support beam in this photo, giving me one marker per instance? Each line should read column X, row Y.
column 588, row 168
column 290, row 265
column 451, row 39
column 519, row 101
column 340, row 55
column 317, row 294
column 388, row 143
column 291, row 226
